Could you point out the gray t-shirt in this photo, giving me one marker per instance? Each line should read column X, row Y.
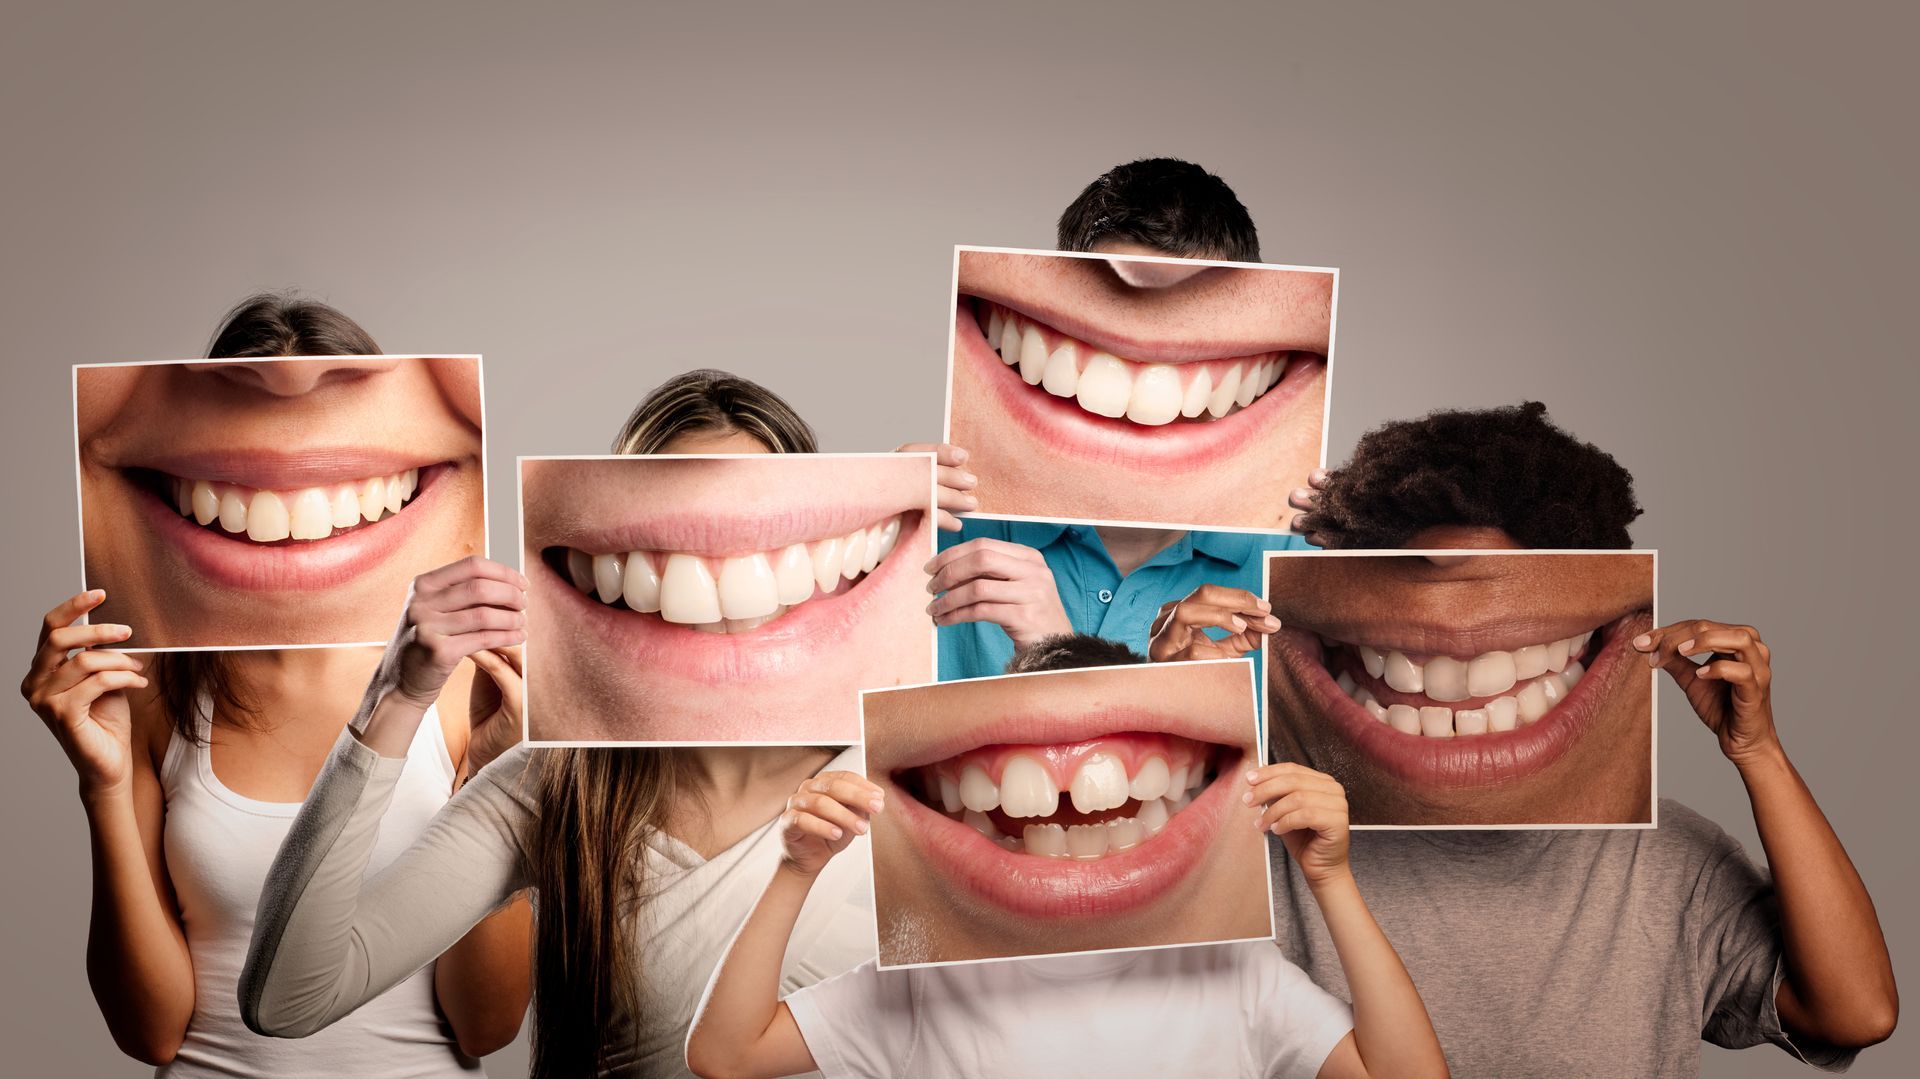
column 1590, row 952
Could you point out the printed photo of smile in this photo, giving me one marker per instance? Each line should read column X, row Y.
column 1066, row 811
column 1138, row 389
column 1467, row 688
column 722, row 598
column 274, row 502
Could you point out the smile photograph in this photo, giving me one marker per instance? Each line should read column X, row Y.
column 1066, row 811
column 1136, row 389
column 722, row 598
column 1467, row 688
column 274, row 502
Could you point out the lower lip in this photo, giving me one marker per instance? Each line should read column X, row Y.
column 1060, row 423
column 795, row 641
column 310, row 566
column 1477, row 760
column 1035, row 887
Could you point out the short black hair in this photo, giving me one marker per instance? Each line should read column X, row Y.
column 1509, row 468
column 268, row 324
column 1175, row 207
column 1067, row 651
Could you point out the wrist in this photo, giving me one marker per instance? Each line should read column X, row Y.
column 1331, row 880
column 1762, row 756
column 99, row 799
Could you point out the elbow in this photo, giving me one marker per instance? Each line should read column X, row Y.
column 704, row 1061
column 485, row 1038
column 1867, row 1028
column 157, row 1048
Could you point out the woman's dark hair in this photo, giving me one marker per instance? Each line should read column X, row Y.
column 263, row 325
column 709, row 400
column 1174, row 207
column 1508, row 468
column 600, row 807
column 1067, row 651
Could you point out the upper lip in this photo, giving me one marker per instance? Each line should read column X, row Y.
column 278, row 469
column 1162, row 350
column 1053, row 728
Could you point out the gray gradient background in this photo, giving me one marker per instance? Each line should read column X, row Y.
column 1688, row 229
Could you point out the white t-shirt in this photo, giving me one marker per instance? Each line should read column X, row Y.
column 1215, row 1010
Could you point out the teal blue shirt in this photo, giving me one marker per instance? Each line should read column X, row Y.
column 1098, row 600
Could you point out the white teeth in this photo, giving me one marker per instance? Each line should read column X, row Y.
column 1529, row 662
column 1532, row 700
column 1153, row 815
column 1470, row 721
column 1557, row 656
column 1033, row 356
column 1445, row 679
column 1010, row 343
column 889, row 535
column 233, row 511
column 1156, row 396
column 1404, row 718
column 949, row 794
column 345, row 506
column 981, row 823
column 1403, row 674
column 1061, row 376
column 1552, row 690
column 311, row 516
column 1577, row 646
column 1250, row 386
column 1225, row 392
column 580, row 569
column 373, row 498
column 1026, row 790
column 1436, row 722
column 607, row 569
column 1490, row 673
column 1045, row 840
column 853, row 554
column 1105, row 386
column 1199, row 392
column 1099, row 783
column 183, row 497
column 1375, row 663
column 827, row 560
column 1152, row 780
column 994, row 321
column 206, row 504
column 1125, row 832
column 1375, row 709
column 747, row 587
column 1085, row 842
column 688, row 592
column 1177, row 781
column 267, row 518
column 396, row 496
column 1572, row 675
column 793, row 574
column 640, row 582
column 978, row 792
column 1503, row 714
column 1345, row 682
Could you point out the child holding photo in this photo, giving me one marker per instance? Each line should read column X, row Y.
column 1240, row 1009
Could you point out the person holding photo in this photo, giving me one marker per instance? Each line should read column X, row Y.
column 192, row 766
column 1240, row 1009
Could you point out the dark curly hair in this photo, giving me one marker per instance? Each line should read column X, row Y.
column 1508, row 468
column 1067, row 651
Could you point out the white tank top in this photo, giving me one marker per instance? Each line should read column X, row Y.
column 218, row 846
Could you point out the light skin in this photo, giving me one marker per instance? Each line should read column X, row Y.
column 1022, row 474
column 106, row 715
column 137, row 417
column 745, row 1030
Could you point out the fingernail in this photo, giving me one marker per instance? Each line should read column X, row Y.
column 1253, row 775
column 1238, row 623
column 1643, row 642
column 1302, row 493
column 1263, row 604
column 1686, row 647
column 876, row 804
column 123, row 631
column 1246, row 797
column 837, row 833
column 960, row 455
column 928, row 568
column 860, row 826
column 96, row 594
column 969, row 478
column 972, row 502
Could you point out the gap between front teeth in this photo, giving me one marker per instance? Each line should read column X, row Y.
column 1027, row 789
column 309, row 513
column 1149, row 394
column 1549, row 672
column 736, row 593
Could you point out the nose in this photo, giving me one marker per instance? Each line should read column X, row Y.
column 1153, row 274
column 291, row 378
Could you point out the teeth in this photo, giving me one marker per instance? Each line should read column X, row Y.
column 793, row 575
column 981, row 823
column 1403, row 674
column 1577, row 646
column 373, row 499
column 1125, row 832
column 747, row 587
column 1445, row 679
column 1470, row 721
column 580, row 569
column 1572, row 675
column 1100, row 783
column 853, row 554
column 1225, row 393
column 1503, row 713
column 1153, row 780
column 1375, row 709
column 346, row 506
column 1199, row 392
column 206, row 504
column 1045, row 840
column 1529, row 662
column 267, row 518
column 688, row 592
column 950, row 794
column 994, row 321
column 396, row 494
column 978, row 792
column 311, row 517
column 1105, row 387
column 1375, row 663
column 1403, row 718
column 1061, row 376
column 1085, row 842
column 1026, row 789
column 607, row 569
column 1552, row 690
column 827, row 560
column 1250, row 385
column 1176, row 781
column 233, row 511
column 1346, row 683
column 1436, row 722
column 304, row 514
column 1533, row 701
column 1153, row 815
column 640, row 582
column 1010, row 343
column 1156, row 396
column 1557, row 656
column 1033, row 356
column 1490, row 674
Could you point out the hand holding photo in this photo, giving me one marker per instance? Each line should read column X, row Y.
column 274, row 502
column 1139, row 389
column 1066, row 811
column 1467, row 688
column 722, row 598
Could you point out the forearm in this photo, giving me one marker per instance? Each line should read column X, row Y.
column 735, row 1032
column 387, row 721
column 484, row 982
column 137, row 960
column 1839, row 983
column 1391, row 1029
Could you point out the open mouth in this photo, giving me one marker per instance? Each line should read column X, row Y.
column 1144, row 394
column 298, row 515
column 1109, row 818
column 1461, row 719
column 735, row 593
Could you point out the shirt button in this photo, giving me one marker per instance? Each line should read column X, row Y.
column 1106, row 595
